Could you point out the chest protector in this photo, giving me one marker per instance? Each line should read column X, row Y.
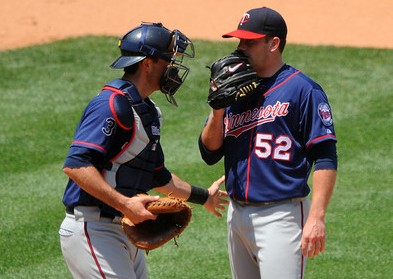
column 136, row 155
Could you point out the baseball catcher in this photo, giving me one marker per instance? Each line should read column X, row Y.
column 116, row 154
column 173, row 216
column 231, row 79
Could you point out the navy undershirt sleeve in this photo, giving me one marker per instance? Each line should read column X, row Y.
column 210, row 157
column 324, row 154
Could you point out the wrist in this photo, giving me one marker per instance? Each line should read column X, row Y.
column 198, row 195
column 317, row 214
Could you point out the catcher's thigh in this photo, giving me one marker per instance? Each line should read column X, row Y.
column 94, row 247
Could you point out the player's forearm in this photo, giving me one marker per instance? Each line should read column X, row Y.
column 323, row 185
column 213, row 199
column 91, row 181
column 176, row 187
column 213, row 133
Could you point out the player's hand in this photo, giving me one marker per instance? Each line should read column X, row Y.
column 136, row 210
column 313, row 238
column 217, row 198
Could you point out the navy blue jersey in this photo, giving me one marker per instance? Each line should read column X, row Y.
column 123, row 132
column 268, row 138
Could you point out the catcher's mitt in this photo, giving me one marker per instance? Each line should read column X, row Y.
column 173, row 216
column 231, row 79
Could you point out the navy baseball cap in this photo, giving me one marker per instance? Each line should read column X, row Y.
column 259, row 23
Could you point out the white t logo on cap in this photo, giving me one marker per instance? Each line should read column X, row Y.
column 244, row 19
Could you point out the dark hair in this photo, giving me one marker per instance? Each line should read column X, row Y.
column 134, row 67
column 131, row 69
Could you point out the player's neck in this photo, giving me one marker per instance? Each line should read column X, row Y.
column 144, row 89
column 271, row 69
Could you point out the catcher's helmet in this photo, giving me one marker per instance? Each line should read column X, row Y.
column 154, row 40
column 142, row 41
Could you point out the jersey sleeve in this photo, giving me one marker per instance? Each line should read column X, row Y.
column 316, row 119
column 162, row 176
column 104, row 116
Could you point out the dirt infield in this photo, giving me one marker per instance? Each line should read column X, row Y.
column 335, row 22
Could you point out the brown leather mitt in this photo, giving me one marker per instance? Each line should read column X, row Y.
column 173, row 216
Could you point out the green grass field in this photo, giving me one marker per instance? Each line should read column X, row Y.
column 45, row 88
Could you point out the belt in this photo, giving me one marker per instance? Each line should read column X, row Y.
column 70, row 210
column 263, row 204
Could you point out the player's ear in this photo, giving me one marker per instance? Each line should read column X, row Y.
column 147, row 64
column 274, row 44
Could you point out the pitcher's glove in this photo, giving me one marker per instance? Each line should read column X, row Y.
column 231, row 79
column 173, row 216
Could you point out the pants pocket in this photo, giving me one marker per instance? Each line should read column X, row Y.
column 66, row 228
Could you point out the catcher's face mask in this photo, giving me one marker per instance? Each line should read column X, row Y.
column 154, row 40
column 176, row 72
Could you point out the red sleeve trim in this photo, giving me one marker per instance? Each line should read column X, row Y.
column 320, row 139
column 89, row 144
